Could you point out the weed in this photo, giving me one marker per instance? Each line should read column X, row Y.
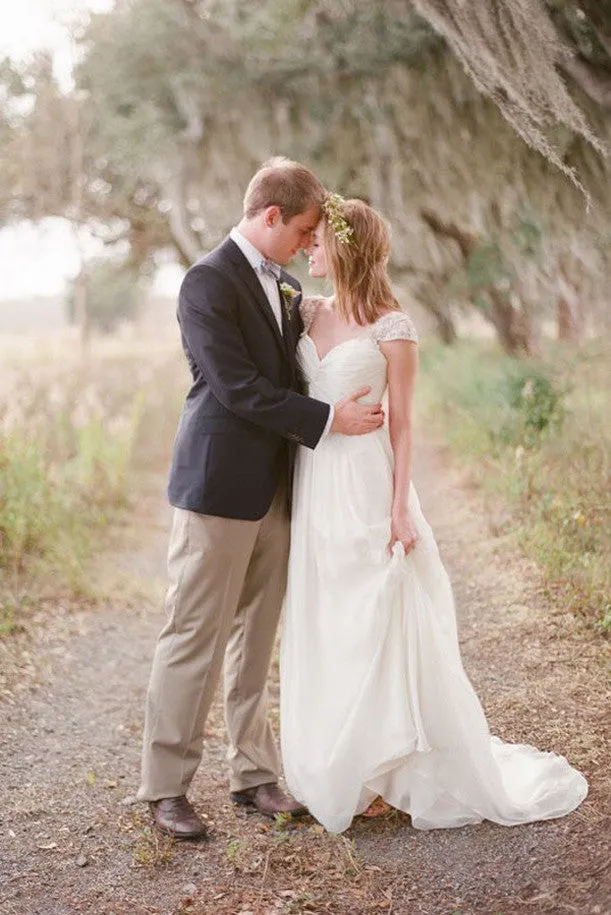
column 234, row 848
column 541, row 444
column 151, row 849
column 605, row 621
column 68, row 442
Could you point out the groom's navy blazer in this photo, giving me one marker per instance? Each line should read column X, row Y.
column 243, row 414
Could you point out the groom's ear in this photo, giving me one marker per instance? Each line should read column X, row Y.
column 272, row 216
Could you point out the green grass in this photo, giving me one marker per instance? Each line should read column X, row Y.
column 537, row 433
column 71, row 439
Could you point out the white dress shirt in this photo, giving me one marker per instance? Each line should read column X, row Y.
column 270, row 288
column 269, row 284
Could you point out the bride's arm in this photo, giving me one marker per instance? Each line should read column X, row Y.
column 402, row 358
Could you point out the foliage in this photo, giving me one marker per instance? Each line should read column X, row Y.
column 541, row 446
column 371, row 97
column 485, row 267
column 111, row 295
column 191, row 96
column 513, row 52
column 538, row 406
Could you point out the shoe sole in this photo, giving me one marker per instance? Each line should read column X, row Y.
column 243, row 800
column 195, row 837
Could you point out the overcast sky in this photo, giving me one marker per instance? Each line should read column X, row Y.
column 29, row 24
column 37, row 260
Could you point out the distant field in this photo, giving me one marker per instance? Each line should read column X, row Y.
column 39, row 314
column 44, row 318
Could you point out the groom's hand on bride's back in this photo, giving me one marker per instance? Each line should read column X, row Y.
column 353, row 418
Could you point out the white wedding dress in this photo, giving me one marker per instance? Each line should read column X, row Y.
column 374, row 697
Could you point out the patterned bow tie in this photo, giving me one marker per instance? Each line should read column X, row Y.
column 269, row 268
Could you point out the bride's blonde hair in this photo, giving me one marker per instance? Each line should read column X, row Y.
column 357, row 264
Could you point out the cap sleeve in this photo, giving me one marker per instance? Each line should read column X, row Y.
column 308, row 307
column 396, row 325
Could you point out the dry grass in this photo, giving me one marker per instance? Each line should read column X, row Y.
column 71, row 429
column 538, row 672
column 294, row 868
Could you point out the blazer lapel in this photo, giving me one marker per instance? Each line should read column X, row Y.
column 250, row 279
column 290, row 324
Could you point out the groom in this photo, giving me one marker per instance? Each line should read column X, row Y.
column 230, row 483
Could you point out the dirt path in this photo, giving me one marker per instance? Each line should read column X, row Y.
column 70, row 725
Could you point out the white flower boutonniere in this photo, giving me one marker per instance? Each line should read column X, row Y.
column 289, row 294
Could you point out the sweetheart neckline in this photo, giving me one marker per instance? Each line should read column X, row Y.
column 321, row 359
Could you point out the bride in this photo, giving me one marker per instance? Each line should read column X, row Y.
column 375, row 702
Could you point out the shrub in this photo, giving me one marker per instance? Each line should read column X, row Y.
column 112, row 295
column 543, row 445
column 537, row 403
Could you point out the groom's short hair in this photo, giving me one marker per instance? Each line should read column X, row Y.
column 280, row 182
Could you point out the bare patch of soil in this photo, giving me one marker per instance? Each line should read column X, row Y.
column 73, row 841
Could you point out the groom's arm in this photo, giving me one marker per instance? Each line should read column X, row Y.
column 208, row 316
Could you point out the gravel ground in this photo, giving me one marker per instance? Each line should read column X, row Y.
column 72, row 840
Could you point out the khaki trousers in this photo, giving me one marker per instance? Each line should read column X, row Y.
column 227, row 580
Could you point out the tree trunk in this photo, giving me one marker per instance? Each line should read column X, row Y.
column 595, row 83
column 427, row 288
column 512, row 323
column 569, row 320
column 435, row 303
column 510, row 319
column 81, row 314
column 568, row 327
column 446, row 329
column 187, row 243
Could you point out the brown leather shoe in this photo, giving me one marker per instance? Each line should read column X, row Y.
column 269, row 800
column 175, row 817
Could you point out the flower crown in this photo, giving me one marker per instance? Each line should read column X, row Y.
column 333, row 208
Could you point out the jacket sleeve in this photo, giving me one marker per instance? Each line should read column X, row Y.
column 209, row 321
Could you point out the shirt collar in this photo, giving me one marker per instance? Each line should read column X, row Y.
column 252, row 254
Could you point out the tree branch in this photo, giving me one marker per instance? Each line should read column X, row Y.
column 599, row 22
column 466, row 241
column 187, row 242
column 589, row 80
column 189, row 110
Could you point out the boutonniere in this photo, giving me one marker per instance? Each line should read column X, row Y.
column 289, row 294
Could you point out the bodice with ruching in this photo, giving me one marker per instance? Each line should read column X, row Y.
column 354, row 363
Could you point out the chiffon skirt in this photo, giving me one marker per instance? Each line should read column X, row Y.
column 374, row 697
